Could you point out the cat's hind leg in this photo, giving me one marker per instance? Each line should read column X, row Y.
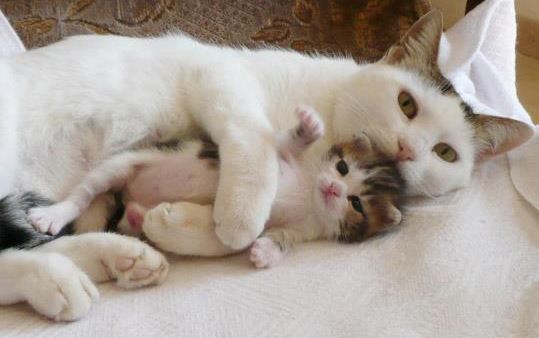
column 184, row 228
column 113, row 173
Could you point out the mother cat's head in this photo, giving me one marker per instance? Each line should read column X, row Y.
column 406, row 105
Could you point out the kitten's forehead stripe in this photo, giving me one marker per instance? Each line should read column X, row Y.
column 384, row 180
column 336, row 150
column 380, row 194
column 208, row 150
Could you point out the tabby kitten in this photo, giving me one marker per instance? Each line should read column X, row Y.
column 351, row 194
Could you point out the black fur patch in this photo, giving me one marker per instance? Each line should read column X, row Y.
column 209, row 151
column 116, row 217
column 15, row 230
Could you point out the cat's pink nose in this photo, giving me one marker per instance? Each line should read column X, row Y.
column 332, row 190
column 405, row 152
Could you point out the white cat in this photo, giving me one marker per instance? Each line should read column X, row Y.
column 8, row 133
column 83, row 99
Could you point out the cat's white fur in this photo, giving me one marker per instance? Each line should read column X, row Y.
column 56, row 278
column 83, row 99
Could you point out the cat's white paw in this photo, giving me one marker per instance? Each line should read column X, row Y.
column 240, row 220
column 311, row 127
column 53, row 218
column 238, row 237
column 247, row 186
column 265, row 253
column 134, row 263
column 59, row 290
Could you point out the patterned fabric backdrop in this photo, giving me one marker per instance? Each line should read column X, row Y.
column 362, row 28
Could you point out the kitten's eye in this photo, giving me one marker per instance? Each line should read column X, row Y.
column 407, row 104
column 356, row 203
column 445, row 152
column 342, row 167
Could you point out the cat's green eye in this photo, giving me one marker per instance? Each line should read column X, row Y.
column 356, row 203
column 342, row 167
column 407, row 104
column 445, row 152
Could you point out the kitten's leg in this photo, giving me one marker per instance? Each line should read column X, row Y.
column 184, row 228
column 112, row 173
column 229, row 105
column 49, row 282
column 298, row 139
column 272, row 245
column 96, row 216
column 107, row 256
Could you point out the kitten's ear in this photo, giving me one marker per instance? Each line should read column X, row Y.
column 497, row 135
column 394, row 216
column 420, row 44
column 362, row 142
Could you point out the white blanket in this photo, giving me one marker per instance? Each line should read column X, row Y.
column 465, row 265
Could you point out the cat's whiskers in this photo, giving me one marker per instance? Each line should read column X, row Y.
column 418, row 182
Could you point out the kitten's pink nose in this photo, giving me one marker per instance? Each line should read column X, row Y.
column 332, row 190
column 405, row 152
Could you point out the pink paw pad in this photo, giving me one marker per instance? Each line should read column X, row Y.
column 265, row 253
column 311, row 126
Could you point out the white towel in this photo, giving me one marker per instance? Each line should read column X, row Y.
column 478, row 55
column 10, row 43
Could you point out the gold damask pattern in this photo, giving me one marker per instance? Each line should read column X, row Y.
column 362, row 28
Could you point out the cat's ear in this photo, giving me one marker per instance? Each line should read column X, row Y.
column 393, row 216
column 497, row 135
column 419, row 46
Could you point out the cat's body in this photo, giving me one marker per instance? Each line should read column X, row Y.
column 351, row 193
column 86, row 98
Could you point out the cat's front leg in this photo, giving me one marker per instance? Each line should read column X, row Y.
column 269, row 249
column 231, row 110
column 309, row 129
column 50, row 282
column 107, row 256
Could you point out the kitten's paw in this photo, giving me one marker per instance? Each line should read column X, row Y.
column 265, row 253
column 59, row 290
column 311, row 127
column 53, row 218
column 134, row 264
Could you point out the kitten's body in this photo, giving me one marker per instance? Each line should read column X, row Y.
column 313, row 201
column 86, row 98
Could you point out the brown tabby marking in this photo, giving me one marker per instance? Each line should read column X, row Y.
column 380, row 196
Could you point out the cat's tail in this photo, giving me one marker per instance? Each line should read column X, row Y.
column 15, row 230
